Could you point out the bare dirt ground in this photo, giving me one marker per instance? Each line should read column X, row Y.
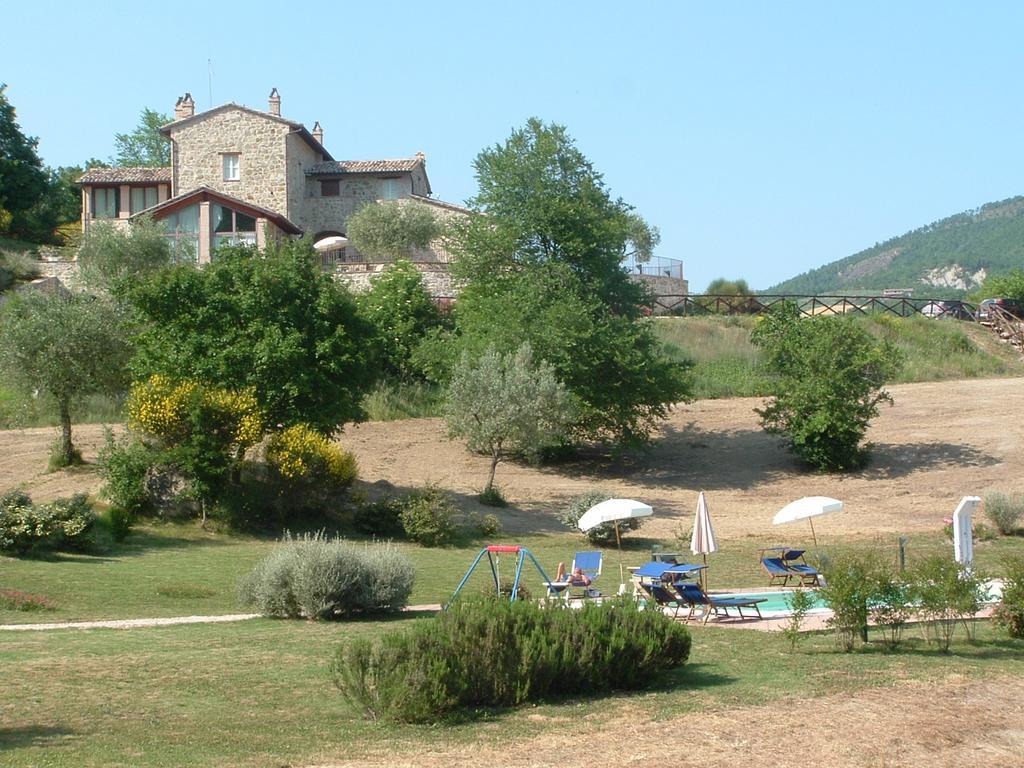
column 939, row 441
column 941, row 725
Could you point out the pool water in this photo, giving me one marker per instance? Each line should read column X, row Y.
column 776, row 602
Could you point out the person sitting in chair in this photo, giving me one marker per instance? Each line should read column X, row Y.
column 577, row 578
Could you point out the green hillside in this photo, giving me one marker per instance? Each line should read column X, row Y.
column 944, row 259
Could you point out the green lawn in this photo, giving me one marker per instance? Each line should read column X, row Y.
column 180, row 570
column 257, row 693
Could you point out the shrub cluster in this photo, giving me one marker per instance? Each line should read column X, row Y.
column 938, row 591
column 59, row 524
column 1005, row 511
column 496, row 653
column 426, row 516
column 301, row 454
column 828, row 379
column 123, row 467
column 167, row 410
column 16, row 600
column 602, row 534
column 1010, row 611
column 315, row 577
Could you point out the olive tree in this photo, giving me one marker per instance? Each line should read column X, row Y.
column 504, row 403
column 392, row 229
column 113, row 259
column 66, row 346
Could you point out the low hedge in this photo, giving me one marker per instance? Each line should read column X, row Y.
column 489, row 652
column 314, row 577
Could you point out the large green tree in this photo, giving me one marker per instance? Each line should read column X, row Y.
column 545, row 203
column 402, row 312
column 829, row 378
column 268, row 320
column 543, row 265
column 145, row 145
column 23, row 180
column 65, row 346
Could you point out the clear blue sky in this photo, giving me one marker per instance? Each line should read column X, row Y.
column 763, row 139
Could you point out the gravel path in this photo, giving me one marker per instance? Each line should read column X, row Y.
column 129, row 623
column 135, row 623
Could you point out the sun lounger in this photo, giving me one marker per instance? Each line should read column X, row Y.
column 590, row 564
column 666, row 600
column 788, row 564
column 779, row 573
column 808, row 575
column 695, row 597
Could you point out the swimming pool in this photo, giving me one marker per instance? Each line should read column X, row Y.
column 777, row 602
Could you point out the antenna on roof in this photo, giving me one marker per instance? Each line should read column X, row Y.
column 209, row 70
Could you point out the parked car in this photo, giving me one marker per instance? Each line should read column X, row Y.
column 1012, row 306
column 949, row 309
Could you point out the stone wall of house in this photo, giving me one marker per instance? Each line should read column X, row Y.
column 419, row 182
column 260, row 143
column 329, row 214
column 300, row 156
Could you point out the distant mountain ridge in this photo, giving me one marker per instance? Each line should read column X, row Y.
column 944, row 259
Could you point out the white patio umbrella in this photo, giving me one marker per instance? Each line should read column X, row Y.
column 807, row 509
column 331, row 243
column 702, row 542
column 612, row 511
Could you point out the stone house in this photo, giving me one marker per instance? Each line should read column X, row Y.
column 242, row 175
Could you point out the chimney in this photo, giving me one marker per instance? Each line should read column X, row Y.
column 184, row 107
column 275, row 103
column 318, row 132
column 421, row 157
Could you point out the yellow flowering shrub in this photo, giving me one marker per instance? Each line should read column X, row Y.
column 244, row 411
column 159, row 407
column 301, row 453
column 163, row 408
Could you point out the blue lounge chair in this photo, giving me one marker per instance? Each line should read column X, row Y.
column 778, row 572
column 694, row 596
column 808, row 575
column 785, row 564
column 590, row 564
column 665, row 599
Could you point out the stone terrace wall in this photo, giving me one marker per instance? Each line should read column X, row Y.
column 437, row 278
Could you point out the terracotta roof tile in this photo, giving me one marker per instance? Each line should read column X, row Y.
column 362, row 166
column 127, row 175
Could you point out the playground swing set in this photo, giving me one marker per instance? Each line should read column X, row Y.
column 493, row 553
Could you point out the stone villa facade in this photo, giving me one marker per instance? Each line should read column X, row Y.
column 241, row 175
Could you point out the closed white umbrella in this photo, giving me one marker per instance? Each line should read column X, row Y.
column 612, row 511
column 807, row 508
column 702, row 542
